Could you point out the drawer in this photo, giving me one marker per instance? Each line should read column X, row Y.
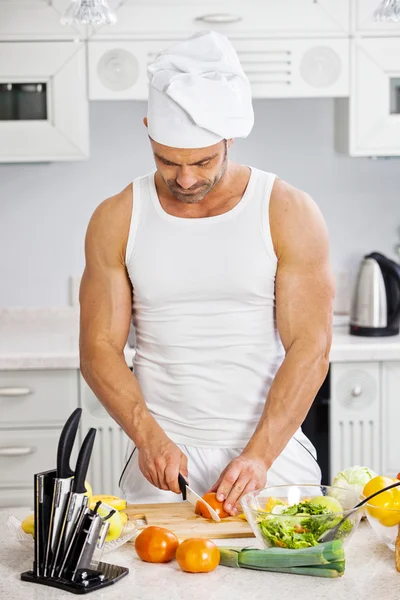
column 230, row 17
column 24, row 453
column 12, row 497
column 37, row 398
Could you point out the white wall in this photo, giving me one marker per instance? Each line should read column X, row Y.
column 44, row 208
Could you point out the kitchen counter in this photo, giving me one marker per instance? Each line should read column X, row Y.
column 370, row 573
column 48, row 339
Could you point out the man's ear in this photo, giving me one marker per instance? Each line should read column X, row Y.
column 146, row 124
column 230, row 142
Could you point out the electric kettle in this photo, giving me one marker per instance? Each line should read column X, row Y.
column 375, row 309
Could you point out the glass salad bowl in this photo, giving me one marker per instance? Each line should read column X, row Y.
column 296, row 516
column 384, row 521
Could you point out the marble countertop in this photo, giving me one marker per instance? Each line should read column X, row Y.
column 370, row 573
column 48, row 339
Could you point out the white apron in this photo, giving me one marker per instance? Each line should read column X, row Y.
column 296, row 464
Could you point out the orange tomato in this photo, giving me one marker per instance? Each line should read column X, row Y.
column 197, row 555
column 211, row 499
column 156, row 545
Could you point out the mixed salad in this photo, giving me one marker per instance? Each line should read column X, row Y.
column 301, row 525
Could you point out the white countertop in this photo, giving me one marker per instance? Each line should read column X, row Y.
column 48, row 339
column 370, row 573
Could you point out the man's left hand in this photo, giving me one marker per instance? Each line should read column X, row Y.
column 244, row 474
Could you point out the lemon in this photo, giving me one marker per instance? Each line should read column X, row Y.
column 28, row 524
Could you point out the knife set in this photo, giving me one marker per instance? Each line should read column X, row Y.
column 69, row 536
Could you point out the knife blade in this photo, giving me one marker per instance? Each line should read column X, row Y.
column 192, row 497
column 75, row 498
column 62, row 484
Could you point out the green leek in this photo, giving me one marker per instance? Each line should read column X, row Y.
column 324, row 560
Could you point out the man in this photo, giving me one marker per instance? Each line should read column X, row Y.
column 226, row 269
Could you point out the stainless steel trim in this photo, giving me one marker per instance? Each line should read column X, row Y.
column 15, row 391
column 17, row 451
column 220, row 18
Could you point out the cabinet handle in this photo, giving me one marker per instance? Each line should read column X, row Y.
column 356, row 391
column 17, row 451
column 220, row 18
column 15, row 391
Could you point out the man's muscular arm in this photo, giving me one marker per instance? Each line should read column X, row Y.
column 106, row 307
column 304, row 296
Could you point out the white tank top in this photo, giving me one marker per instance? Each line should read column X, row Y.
column 207, row 346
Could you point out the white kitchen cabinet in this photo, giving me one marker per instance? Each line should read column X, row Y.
column 108, row 458
column 60, row 130
column 276, row 68
column 118, row 69
column 34, row 405
column 37, row 398
column 363, row 23
column 301, row 68
column 368, row 123
column 35, row 20
column 355, row 416
column 390, row 418
column 155, row 18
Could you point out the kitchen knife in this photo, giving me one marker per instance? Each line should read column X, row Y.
column 191, row 496
column 84, row 546
column 75, row 498
column 74, row 537
column 44, row 484
column 62, row 484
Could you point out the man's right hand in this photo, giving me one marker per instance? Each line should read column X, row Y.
column 161, row 461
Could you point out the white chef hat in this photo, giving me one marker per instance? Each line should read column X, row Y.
column 198, row 93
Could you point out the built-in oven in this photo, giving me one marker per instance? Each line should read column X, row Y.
column 316, row 427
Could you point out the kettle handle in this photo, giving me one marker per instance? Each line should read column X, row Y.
column 392, row 269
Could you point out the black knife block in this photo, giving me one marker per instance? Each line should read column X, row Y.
column 111, row 573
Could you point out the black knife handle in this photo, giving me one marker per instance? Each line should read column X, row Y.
column 182, row 485
column 82, row 462
column 66, row 444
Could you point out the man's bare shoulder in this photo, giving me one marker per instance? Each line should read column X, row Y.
column 115, row 207
column 109, row 225
column 293, row 213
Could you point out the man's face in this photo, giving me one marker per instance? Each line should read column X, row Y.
column 190, row 174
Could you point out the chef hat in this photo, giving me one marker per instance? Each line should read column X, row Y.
column 198, row 93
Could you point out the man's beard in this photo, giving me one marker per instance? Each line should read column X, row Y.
column 196, row 193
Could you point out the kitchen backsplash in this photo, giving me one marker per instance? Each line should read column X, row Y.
column 45, row 208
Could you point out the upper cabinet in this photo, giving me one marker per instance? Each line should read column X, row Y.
column 368, row 124
column 35, row 20
column 43, row 101
column 288, row 49
column 363, row 23
column 283, row 68
column 253, row 18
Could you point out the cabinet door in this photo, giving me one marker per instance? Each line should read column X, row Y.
column 363, row 23
column 369, row 123
column 355, row 431
column 53, row 123
column 252, row 18
column 35, row 20
column 276, row 68
column 37, row 398
column 391, row 418
column 108, row 458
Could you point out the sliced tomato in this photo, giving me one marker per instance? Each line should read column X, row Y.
column 211, row 499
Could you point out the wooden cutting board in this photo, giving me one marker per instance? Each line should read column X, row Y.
column 180, row 518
